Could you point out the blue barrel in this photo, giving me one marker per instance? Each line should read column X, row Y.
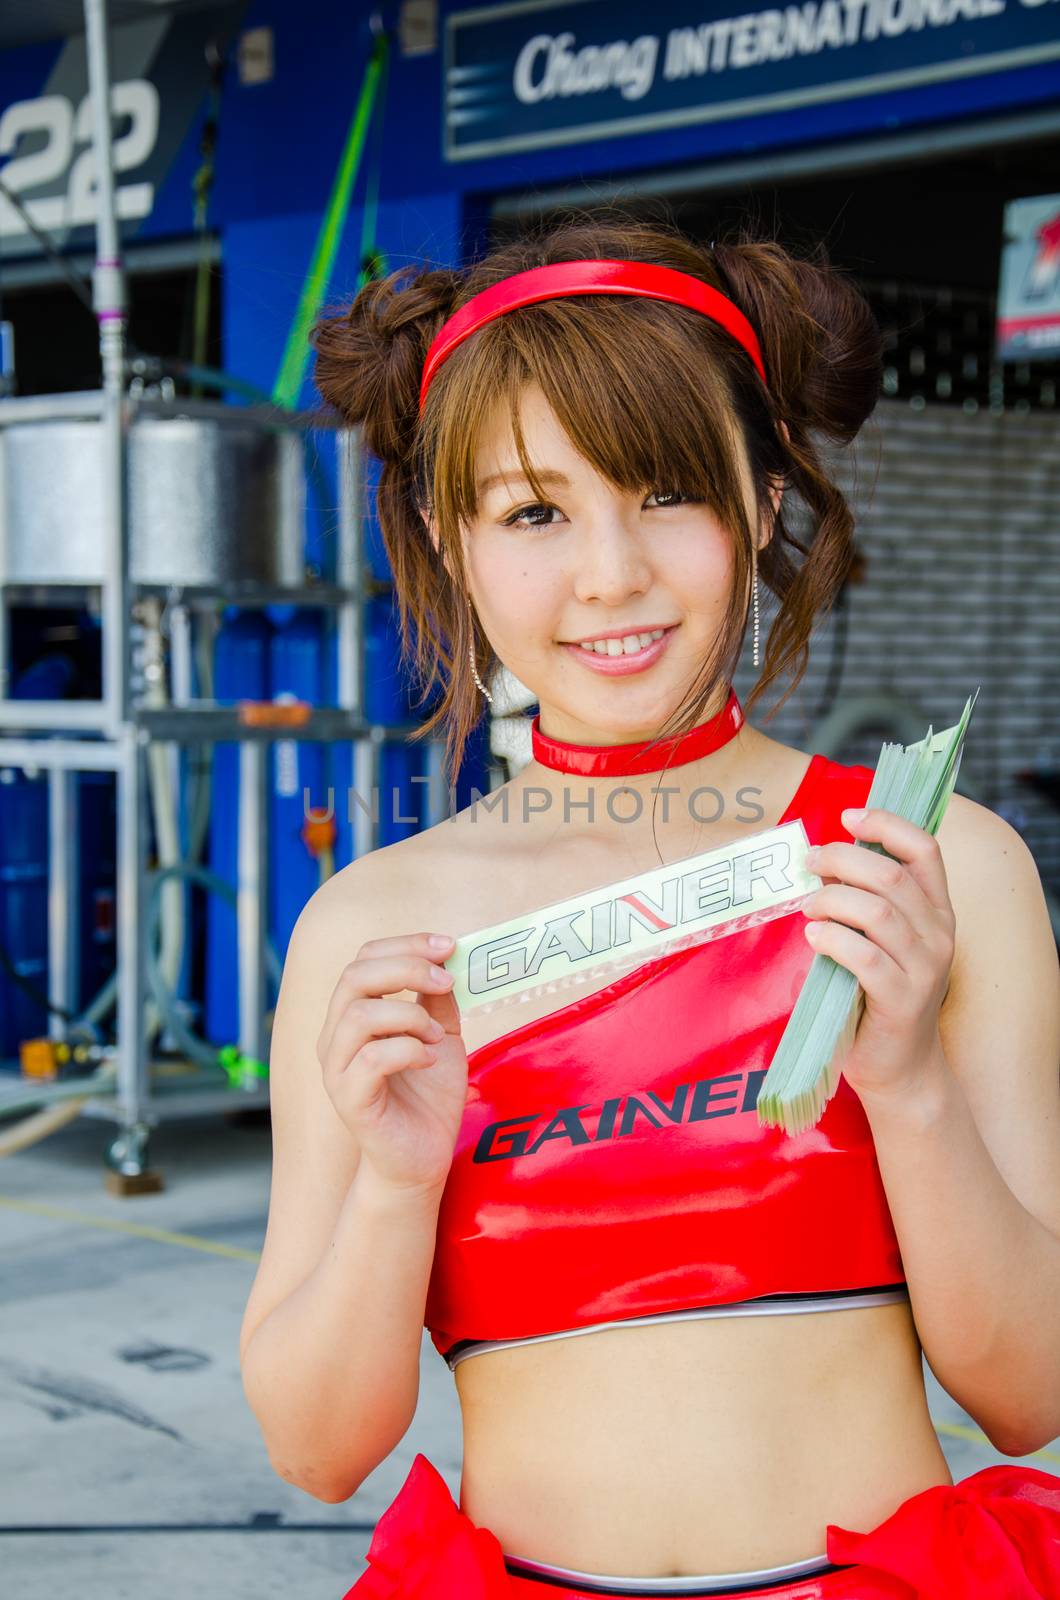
column 50, row 677
column 24, row 874
column 241, row 672
column 386, row 688
column 299, row 776
column 23, row 909
column 474, row 769
column 375, row 558
column 337, row 778
column 98, row 813
column 403, row 805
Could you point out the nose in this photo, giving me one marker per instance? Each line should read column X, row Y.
column 612, row 562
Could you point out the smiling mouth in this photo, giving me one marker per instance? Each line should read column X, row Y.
column 627, row 644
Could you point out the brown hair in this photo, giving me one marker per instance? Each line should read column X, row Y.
column 648, row 393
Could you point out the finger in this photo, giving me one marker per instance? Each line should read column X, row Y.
column 392, row 974
column 386, row 966
column 917, row 849
column 881, row 874
column 364, row 1088
column 403, row 943
column 871, row 966
column 441, row 1005
column 366, row 1019
column 878, row 918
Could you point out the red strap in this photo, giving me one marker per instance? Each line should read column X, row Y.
column 562, row 278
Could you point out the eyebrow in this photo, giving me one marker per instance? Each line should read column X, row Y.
column 546, row 476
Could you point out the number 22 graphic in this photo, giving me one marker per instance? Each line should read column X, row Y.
column 65, row 129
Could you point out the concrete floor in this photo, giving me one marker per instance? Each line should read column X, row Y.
column 131, row 1466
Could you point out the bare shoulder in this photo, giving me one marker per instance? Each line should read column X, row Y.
column 374, row 895
column 989, row 868
column 778, row 770
column 430, row 882
column 968, row 826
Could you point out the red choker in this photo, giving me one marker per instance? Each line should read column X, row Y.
column 625, row 760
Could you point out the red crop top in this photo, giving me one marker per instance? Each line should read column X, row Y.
column 610, row 1164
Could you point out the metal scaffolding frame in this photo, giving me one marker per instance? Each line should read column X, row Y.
column 113, row 733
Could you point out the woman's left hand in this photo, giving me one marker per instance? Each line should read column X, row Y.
column 890, row 923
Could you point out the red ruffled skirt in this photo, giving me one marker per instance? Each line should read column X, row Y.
column 993, row 1536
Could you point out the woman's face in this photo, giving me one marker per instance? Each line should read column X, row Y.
column 593, row 561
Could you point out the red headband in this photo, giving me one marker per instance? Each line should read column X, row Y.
column 588, row 277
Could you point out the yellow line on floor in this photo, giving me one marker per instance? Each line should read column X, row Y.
column 189, row 1241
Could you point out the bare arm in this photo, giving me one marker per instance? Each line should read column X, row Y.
column 331, row 1335
column 332, row 1373
column 971, row 1162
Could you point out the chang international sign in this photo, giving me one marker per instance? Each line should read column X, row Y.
column 536, row 73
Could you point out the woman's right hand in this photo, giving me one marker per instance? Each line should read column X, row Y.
column 396, row 1070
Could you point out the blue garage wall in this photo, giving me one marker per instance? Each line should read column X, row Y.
column 280, row 142
column 287, row 134
column 266, row 258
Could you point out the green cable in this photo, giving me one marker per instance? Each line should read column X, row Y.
column 292, row 368
column 372, row 261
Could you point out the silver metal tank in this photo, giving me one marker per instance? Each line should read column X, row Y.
column 212, row 502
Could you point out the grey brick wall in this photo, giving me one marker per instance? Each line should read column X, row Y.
column 958, row 516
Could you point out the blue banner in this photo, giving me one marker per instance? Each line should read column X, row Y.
column 159, row 79
column 536, row 73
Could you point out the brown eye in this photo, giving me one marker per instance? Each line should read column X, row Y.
column 527, row 516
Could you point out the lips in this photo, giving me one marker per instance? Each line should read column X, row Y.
column 620, row 664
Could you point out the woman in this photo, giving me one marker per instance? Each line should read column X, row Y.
column 687, row 1348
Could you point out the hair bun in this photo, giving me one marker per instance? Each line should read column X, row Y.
column 370, row 355
column 821, row 342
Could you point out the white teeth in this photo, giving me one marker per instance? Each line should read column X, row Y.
column 628, row 645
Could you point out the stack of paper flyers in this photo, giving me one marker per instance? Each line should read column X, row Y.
column 915, row 781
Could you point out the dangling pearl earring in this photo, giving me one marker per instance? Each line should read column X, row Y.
column 754, row 602
column 471, row 659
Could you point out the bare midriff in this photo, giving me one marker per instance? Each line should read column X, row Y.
column 709, row 1446
column 712, row 1446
